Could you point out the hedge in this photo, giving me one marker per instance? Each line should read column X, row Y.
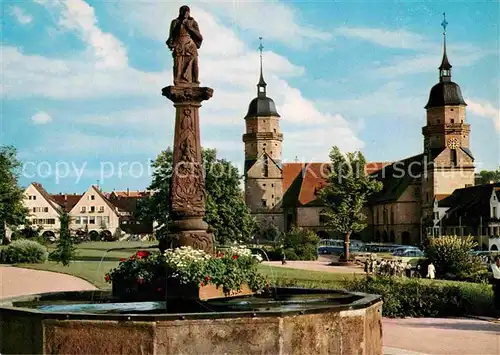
column 424, row 298
column 404, row 297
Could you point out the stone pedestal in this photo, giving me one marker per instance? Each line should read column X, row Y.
column 187, row 187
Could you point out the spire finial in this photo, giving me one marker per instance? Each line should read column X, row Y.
column 445, row 67
column 261, row 86
column 444, row 23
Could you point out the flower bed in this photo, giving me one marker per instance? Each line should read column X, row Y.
column 186, row 273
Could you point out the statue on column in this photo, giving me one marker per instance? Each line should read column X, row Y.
column 187, row 187
column 184, row 41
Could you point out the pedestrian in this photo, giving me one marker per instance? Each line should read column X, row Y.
column 283, row 257
column 495, row 268
column 431, row 271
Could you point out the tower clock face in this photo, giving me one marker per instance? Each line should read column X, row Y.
column 453, row 143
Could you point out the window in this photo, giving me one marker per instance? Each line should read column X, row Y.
column 272, row 185
column 101, row 209
column 78, row 220
column 452, row 120
column 275, row 132
column 83, row 209
column 85, row 220
column 264, row 203
column 92, row 220
column 92, row 209
column 272, row 196
column 494, row 212
column 92, row 197
column 46, row 209
column 453, row 157
column 322, row 217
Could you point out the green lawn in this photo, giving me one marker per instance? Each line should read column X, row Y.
column 92, row 262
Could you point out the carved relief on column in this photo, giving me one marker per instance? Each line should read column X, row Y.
column 188, row 185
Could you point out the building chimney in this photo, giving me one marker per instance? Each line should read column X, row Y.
column 65, row 197
column 128, row 191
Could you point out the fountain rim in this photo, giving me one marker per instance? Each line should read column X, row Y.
column 7, row 307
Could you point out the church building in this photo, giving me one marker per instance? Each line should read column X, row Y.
column 405, row 211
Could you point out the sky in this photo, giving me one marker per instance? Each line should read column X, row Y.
column 81, row 80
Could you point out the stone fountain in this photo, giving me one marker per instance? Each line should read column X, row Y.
column 283, row 321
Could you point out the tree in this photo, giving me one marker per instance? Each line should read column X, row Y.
column 486, row 176
column 226, row 211
column 271, row 234
column 345, row 194
column 65, row 250
column 12, row 210
column 301, row 244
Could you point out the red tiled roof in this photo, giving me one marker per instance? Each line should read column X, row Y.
column 129, row 193
column 313, row 177
column 440, row 197
column 67, row 201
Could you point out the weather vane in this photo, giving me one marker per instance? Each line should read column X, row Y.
column 444, row 23
column 261, row 47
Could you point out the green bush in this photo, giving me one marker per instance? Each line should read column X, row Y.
column 24, row 251
column 424, row 298
column 452, row 259
column 301, row 244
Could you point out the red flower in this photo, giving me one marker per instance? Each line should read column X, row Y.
column 132, row 257
column 122, row 259
column 107, row 277
column 220, row 255
column 202, row 284
column 140, row 280
column 142, row 254
column 207, row 278
column 235, row 257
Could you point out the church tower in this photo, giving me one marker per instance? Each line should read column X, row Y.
column 447, row 156
column 263, row 168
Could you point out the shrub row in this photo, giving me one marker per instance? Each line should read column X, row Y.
column 23, row 251
column 424, row 298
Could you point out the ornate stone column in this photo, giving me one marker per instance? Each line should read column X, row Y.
column 187, row 187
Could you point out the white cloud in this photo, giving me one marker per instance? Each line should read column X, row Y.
column 21, row 16
column 41, row 118
column 79, row 16
column 429, row 51
column 274, row 20
column 385, row 101
column 392, row 39
column 226, row 64
column 423, row 63
column 485, row 109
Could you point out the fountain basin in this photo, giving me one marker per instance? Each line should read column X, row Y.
column 290, row 321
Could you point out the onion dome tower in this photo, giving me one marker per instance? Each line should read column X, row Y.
column 446, row 137
column 263, row 169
